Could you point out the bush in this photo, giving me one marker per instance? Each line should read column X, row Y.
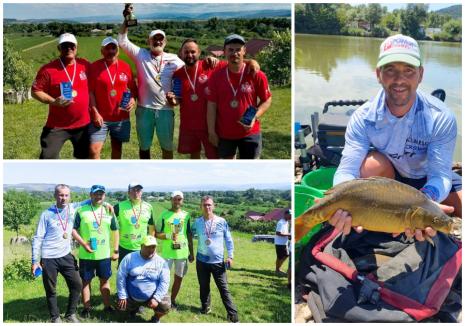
column 379, row 31
column 243, row 224
column 19, row 269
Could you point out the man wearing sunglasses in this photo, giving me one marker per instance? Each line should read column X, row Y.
column 62, row 84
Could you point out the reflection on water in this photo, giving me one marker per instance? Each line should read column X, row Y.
column 343, row 68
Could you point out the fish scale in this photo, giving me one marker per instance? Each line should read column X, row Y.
column 378, row 204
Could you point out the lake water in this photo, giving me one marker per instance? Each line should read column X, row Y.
column 343, row 68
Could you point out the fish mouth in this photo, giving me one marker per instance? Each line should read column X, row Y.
column 456, row 227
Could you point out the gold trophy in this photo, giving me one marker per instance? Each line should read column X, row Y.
column 129, row 16
column 176, row 228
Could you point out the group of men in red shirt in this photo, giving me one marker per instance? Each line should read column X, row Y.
column 213, row 97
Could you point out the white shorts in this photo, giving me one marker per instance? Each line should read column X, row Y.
column 180, row 266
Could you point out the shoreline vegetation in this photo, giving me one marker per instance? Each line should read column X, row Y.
column 376, row 21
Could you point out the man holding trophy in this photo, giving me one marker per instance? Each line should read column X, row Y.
column 173, row 228
column 155, row 69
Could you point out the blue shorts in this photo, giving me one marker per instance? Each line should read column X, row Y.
column 250, row 147
column 150, row 120
column 419, row 183
column 89, row 268
column 120, row 130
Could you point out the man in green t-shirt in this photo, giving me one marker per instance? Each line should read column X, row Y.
column 173, row 228
column 135, row 220
column 93, row 225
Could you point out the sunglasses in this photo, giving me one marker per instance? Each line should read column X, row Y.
column 67, row 45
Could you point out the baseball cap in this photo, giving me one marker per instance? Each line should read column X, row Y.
column 134, row 184
column 234, row 38
column 156, row 32
column 399, row 48
column 67, row 37
column 96, row 188
column 109, row 40
column 149, row 241
column 177, row 193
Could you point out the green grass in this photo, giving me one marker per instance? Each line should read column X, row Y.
column 259, row 295
column 20, row 42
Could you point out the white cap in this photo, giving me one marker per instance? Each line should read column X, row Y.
column 177, row 193
column 399, row 48
column 109, row 40
column 67, row 37
column 134, row 184
column 156, row 32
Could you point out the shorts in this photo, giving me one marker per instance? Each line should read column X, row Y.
column 119, row 130
column 53, row 139
column 180, row 266
column 150, row 120
column 191, row 141
column 89, row 268
column 250, row 147
column 281, row 251
column 419, row 183
column 163, row 306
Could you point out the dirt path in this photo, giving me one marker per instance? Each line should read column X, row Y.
column 39, row 45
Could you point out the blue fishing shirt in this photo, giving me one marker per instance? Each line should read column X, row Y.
column 218, row 230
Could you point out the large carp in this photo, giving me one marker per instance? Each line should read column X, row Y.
column 378, row 204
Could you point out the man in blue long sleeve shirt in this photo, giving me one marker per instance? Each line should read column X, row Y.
column 144, row 279
column 213, row 232
column 51, row 249
column 413, row 134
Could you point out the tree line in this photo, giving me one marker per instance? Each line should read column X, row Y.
column 374, row 20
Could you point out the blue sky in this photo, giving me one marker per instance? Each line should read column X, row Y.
column 152, row 174
column 60, row 10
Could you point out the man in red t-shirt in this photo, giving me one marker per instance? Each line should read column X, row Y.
column 68, row 117
column 109, row 79
column 231, row 90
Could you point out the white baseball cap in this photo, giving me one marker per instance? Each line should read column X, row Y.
column 149, row 240
column 67, row 37
column 177, row 193
column 157, row 32
column 399, row 48
column 134, row 184
column 109, row 40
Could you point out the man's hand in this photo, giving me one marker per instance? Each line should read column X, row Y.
column 191, row 258
column 248, row 127
column 122, row 304
column 62, row 102
column 110, row 208
column 229, row 261
column 342, row 221
column 213, row 139
column 114, row 256
column 446, row 209
column 97, row 119
column 171, row 99
column 174, row 237
column 131, row 105
column 152, row 303
column 34, row 267
column 212, row 62
column 88, row 248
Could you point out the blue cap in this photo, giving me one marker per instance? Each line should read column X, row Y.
column 96, row 188
column 233, row 38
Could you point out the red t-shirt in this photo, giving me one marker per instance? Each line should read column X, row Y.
column 252, row 91
column 100, row 85
column 48, row 80
column 194, row 113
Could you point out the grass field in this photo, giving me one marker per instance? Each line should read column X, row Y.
column 259, row 295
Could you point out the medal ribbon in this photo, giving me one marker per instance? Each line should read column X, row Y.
column 64, row 227
column 158, row 68
column 66, row 71
column 240, row 80
column 101, row 215
column 195, row 76
column 208, row 234
column 114, row 77
column 140, row 211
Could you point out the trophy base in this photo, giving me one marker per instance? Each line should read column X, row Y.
column 131, row 23
column 176, row 246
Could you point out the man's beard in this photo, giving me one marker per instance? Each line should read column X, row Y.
column 156, row 49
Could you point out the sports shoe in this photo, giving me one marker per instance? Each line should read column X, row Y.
column 174, row 305
column 233, row 318
column 109, row 309
column 85, row 313
column 155, row 319
column 56, row 320
column 72, row 319
column 206, row 310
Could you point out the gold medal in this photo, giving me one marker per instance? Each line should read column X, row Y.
column 74, row 93
column 158, row 78
column 65, row 236
column 99, row 230
column 137, row 225
column 194, row 97
column 113, row 93
column 208, row 242
column 234, row 103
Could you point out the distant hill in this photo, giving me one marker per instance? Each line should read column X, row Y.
column 38, row 187
column 454, row 11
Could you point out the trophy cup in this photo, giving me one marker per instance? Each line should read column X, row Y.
column 176, row 227
column 129, row 16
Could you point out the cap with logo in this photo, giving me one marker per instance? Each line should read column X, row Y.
column 157, row 32
column 233, row 38
column 149, row 240
column 399, row 48
column 109, row 40
column 96, row 188
column 177, row 193
column 67, row 38
column 134, row 184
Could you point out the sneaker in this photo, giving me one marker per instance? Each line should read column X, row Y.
column 72, row 319
column 85, row 313
column 233, row 318
column 155, row 319
column 206, row 310
column 280, row 273
column 56, row 320
column 109, row 309
column 174, row 305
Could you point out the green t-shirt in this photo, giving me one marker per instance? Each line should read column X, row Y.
column 86, row 225
column 133, row 221
column 167, row 223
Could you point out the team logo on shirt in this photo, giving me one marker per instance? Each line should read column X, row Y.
column 123, row 77
column 82, row 75
column 246, row 88
column 202, row 78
